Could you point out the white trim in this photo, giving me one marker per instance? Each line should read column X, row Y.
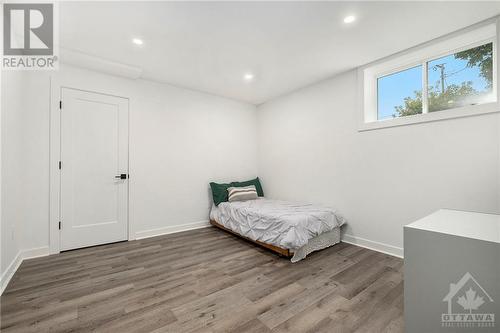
column 9, row 272
column 425, row 87
column 98, row 64
column 466, row 111
column 375, row 246
column 171, row 229
column 17, row 261
column 54, row 175
column 470, row 37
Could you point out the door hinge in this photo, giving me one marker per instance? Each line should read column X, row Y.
column 60, row 105
column 60, row 165
column 60, row 225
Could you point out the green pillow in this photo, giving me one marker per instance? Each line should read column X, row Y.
column 219, row 191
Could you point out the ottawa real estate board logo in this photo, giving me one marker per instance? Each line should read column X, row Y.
column 29, row 36
column 468, row 305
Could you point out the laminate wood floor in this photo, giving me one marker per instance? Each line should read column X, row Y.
column 204, row 281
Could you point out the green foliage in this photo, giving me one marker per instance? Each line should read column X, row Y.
column 412, row 106
column 481, row 56
column 452, row 96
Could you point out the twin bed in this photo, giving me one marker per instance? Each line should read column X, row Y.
column 290, row 229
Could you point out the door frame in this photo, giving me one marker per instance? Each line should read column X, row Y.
column 55, row 156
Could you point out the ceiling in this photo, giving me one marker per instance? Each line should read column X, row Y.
column 210, row 46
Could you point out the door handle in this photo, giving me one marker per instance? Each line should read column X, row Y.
column 121, row 176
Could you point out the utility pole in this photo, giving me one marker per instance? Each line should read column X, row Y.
column 442, row 68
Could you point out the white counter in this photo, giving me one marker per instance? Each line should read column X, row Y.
column 460, row 223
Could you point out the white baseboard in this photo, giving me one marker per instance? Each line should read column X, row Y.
column 375, row 246
column 17, row 261
column 171, row 229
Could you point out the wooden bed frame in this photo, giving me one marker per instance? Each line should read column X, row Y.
column 281, row 251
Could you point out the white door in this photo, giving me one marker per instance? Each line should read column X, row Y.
column 94, row 161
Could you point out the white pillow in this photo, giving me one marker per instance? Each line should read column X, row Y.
column 242, row 193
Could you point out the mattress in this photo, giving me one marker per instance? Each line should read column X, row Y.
column 289, row 225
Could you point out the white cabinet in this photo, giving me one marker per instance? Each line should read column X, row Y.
column 452, row 273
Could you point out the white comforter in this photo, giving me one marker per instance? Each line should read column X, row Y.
column 288, row 225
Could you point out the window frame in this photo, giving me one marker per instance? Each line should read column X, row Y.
column 368, row 75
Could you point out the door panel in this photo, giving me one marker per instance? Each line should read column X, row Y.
column 94, row 149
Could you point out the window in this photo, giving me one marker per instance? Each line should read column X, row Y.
column 460, row 79
column 451, row 78
column 395, row 91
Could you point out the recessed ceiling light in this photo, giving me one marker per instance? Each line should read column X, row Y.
column 137, row 41
column 248, row 77
column 349, row 19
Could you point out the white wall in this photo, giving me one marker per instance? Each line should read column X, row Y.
column 24, row 182
column 180, row 140
column 1, row 202
column 310, row 149
column 11, row 157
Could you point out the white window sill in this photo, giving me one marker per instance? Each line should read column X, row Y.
column 466, row 111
